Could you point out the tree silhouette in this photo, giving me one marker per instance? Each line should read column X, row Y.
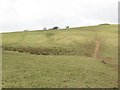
column 55, row 27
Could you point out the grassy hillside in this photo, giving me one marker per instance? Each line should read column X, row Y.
column 61, row 58
column 23, row 70
column 80, row 41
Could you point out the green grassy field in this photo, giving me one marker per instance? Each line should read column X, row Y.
column 25, row 70
column 61, row 58
column 81, row 40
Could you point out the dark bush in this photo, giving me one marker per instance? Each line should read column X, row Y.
column 105, row 24
column 55, row 27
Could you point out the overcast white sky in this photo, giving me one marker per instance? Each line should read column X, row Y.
column 19, row 15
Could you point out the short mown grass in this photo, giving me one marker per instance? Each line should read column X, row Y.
column 24, row 70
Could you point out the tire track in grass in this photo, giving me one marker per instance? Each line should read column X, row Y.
column 97, row 49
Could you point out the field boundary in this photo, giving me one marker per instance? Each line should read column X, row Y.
column 52, row 51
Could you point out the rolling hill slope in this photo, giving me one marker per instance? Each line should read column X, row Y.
column 82, row 57
column 75, row 41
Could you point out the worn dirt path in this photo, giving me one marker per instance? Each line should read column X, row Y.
column 96, row 54
column 97, row 49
